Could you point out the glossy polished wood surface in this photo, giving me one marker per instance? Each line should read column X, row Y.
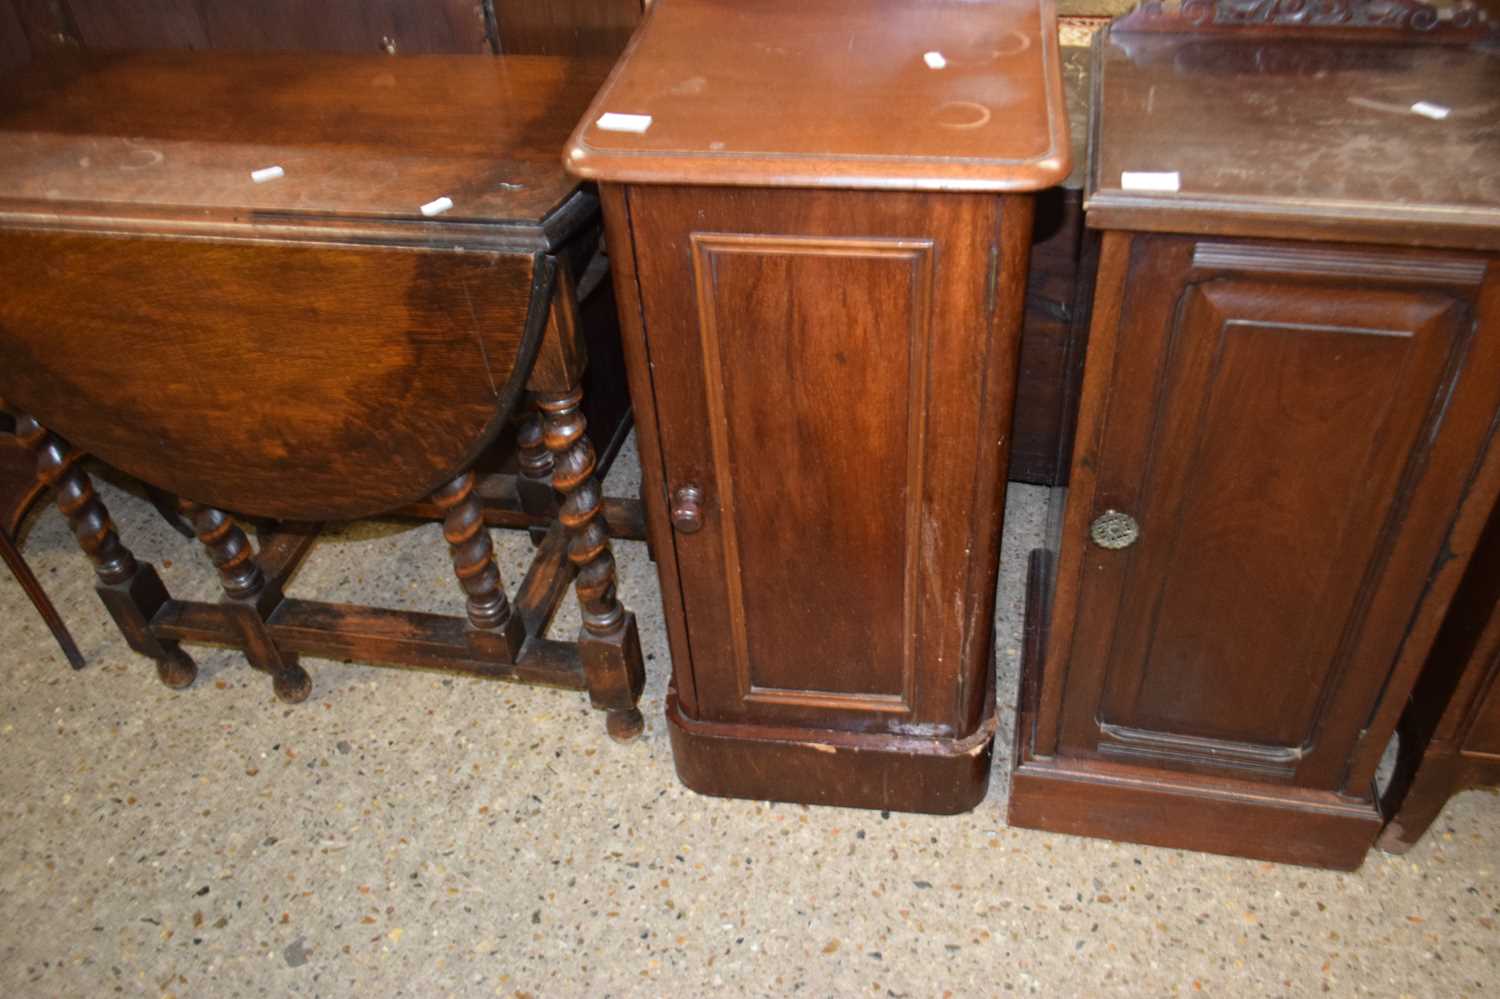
column 836, row 578
column 364, row 380
column 378, row 371
column 38, row 28
column 368, row 26
column 836, row 93
column 356, row 136
column 1293, row 451
column 1285, row 136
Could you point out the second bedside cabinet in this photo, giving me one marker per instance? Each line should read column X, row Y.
column 1284, row 453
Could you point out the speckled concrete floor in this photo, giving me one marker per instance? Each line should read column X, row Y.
column 409, row 834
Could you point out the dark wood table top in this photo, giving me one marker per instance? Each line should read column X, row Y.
column 895, row 94
column 356, row 136
column 1300, row 136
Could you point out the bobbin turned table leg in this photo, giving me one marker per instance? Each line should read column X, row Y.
column 608, row 642
column 132, row 592
column 494, row 632
column 534, row 484
column 250, row 599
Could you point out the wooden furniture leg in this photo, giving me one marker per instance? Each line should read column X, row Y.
column 608, row 641
column 494, row 632
column 249, row 598
column 534, row 484
column 132, row 592
column 33, row 588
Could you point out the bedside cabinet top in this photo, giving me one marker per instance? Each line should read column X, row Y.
column 1354, row 131
column 961, row 95
column 179, row 134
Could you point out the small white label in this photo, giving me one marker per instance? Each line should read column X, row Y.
column 1427, row 109
column 267, row 173
column 613, row 122
column 1145, row 180
column 934, row 60
column 436, row 206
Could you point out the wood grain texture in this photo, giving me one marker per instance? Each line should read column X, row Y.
column 47, row 25
column 1054, row 335
column 1086, row 796
column 1272, row 155
column 1059, row 290
column 375, row 374
column 15, row 50
column 619, row 230
column 1353, row 386
column 1244, row 630
column 832, row 601
column 389, row 27
column 566, row 27
column 394, row 27
column 855, row 104
column 357, row 136
column 137, row 24
column 758, row 321
column 374, row 26
column 822, row 767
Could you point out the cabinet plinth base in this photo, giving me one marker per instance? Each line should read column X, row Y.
column 1093, row 798
column 1087, row 796
column 824, row 767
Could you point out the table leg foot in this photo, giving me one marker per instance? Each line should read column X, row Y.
column 625, row 725
column 177, row 669
column 292, row 684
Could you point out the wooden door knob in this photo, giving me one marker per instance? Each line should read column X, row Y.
column 687, row 509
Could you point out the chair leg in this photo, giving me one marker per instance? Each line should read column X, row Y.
column 249, row 597
column 610, row 646
column 39, row 600
column 132, row 592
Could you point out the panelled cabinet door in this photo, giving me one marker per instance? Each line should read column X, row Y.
column 820, row 389
column 1277, row 431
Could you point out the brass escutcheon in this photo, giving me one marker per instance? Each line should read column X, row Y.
column 1113, row 529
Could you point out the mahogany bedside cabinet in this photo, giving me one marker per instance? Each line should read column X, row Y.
column 303, row 288
column 819, row 213
column 1285, row 453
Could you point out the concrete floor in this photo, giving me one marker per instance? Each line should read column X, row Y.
column 410, row 834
